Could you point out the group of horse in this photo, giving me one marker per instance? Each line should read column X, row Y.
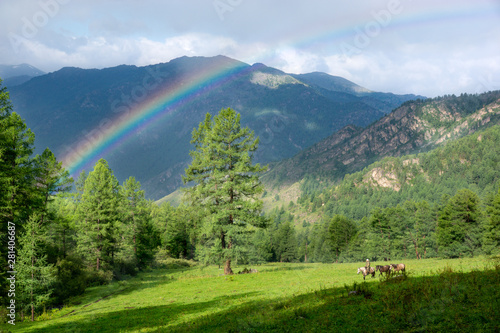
column 387, row 269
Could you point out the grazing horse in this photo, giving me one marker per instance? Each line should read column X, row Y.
column 398, row 267
column 384, row 269
column 365, row 273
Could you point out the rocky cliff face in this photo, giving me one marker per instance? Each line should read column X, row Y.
column 414, row 127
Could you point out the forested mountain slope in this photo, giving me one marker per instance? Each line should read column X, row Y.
column 472, row 162
column 416, row 126
column 440, row 203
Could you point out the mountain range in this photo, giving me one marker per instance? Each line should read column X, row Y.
column 13, row 75
column 288, row 112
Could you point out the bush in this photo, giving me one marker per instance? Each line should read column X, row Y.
column 71, row 279
column 98, row 278
column 3, row 315
column 124, row 268
column 162, row 260
column 358, row 290
column 53, row 313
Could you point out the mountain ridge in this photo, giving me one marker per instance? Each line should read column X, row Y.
column 415, row 126
column 63, row 107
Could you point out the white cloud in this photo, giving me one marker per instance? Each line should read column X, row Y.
column 429, row 48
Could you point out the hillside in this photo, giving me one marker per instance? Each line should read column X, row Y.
column 70, row 109
column 472, row 162
column 414, row 127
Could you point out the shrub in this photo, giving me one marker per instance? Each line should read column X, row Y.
column 123, row 268
column 162, row 260
column 71, row 279
column 98, row 278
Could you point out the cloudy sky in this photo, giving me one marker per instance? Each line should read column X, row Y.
column 428, row 47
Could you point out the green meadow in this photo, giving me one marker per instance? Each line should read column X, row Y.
column 458, row 295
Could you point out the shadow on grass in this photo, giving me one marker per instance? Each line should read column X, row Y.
column 152, row 280
column 455, row 302
column 146, row 280
column 130, row 319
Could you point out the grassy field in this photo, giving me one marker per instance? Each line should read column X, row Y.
column 461, row 295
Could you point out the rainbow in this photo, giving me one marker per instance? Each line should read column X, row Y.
column 115, row 132
column 159, row 104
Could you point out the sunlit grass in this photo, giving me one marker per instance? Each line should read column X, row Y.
column 202, row 298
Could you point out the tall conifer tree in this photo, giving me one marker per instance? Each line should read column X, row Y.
column 51, row 178
column 17, row 184
column 226, row 182
column 34, row 274
column 341, row 231
column 286, row 243
column 458, row 230
column 16, row 169
column 98, row 216
column 491, row 243
column 136, row 226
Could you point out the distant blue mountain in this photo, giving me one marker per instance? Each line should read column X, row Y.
column 288, row 112
column 13, row 75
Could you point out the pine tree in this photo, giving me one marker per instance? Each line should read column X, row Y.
column 80, row 182
column 226, row 183
column 34, row 274
column 51, row 179
column 458, row 230
column 176, row 237
column 286, row 243
column 491, row 243
column 262, row 249
column 381, row 234
column 136, row 222
column 17, row 183
column 16, row 169
column 63, row 226
column 341, row 230
column 98, row 216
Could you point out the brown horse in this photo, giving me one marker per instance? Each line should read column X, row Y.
column 398, row 267
column 365, row 273
column 384, row 269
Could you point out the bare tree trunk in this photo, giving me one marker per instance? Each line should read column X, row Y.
column 98, row 242
column 64, row 243
column 135, row 245
column 32, row 277
column 305, row 258
column 227, row 268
